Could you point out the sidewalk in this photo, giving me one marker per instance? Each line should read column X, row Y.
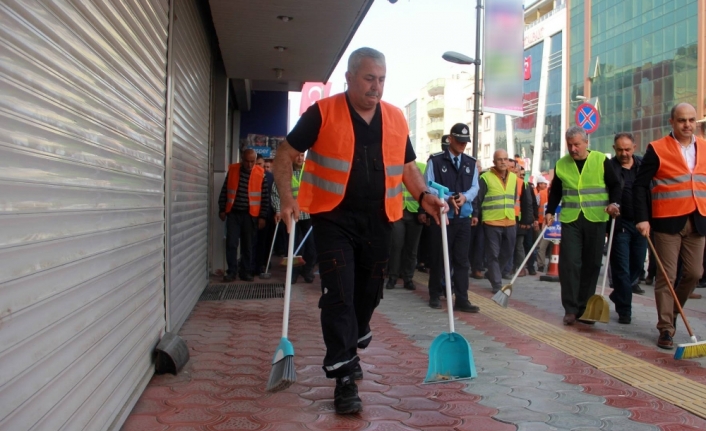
column 533, row 373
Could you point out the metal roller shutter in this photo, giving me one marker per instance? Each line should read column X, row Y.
column 188, row 164
column 82, row 140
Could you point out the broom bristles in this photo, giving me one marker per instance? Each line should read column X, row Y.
column 501, row 298
column 282, row 375
column 691, row 350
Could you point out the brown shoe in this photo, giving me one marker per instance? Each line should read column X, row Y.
column 569, row 319
column 477, row 275
column 665, row 341
column 522, row 273
column 694, row 296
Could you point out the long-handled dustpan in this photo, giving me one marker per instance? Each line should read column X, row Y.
column 297, row 260
column 450, row 355
column 695, row 349
column 598, row 308
column 267, row 274
column 502, row 295
column 283, row 374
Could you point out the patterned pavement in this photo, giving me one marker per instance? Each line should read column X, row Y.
column 522, row 384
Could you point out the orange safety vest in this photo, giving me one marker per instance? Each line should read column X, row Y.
column 254, row 187
column 678, row 192
column 329, row 160
column 520, row 185
column 543, row 199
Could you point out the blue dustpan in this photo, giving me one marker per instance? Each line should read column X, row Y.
column 450, row 355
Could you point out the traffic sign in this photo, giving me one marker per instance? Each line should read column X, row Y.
column 587, row 117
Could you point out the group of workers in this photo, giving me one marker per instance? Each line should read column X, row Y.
column 368, row 199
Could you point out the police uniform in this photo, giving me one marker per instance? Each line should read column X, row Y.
column 442, row 170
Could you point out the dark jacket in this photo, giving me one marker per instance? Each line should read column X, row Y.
column 642, row 192
column 618, row 168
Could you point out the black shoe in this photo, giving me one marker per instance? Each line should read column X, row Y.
column 409, row 285
column 295, row 277
column 702, row 283
column 586, row 322
column 357, row 372
column 247, row 277
column 228, row 278
column 638, row 290
column 507, row 276
column 532, row 271
column 649, row 280
column 466, row 307
column 665, row 341
column 625, row 320
column 390, row 284
column 345, row 397
column 434, row 303
column 309, row 278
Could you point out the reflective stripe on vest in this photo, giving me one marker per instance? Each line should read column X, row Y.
column 296, row 181
column 257, row 175
column 583, row 192
column 499, row 201
column 329, row 160
column 409, row 202
column 678, row 192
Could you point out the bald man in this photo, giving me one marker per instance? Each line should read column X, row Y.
column 243, row 204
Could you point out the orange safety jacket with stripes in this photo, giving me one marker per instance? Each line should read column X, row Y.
column 678, row 192
column 329, row 160
column 254, row 188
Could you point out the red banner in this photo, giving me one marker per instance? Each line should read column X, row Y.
column 311, row 92
column 528, row 68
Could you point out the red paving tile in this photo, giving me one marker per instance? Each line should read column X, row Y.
column 222, row 387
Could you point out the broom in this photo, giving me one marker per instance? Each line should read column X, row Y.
column 283, row 374
column 503, row 295
column 695, row 349
column 297, row 260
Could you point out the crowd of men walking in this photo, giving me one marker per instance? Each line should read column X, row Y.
column 363, row 203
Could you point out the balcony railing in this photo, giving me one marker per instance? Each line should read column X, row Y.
column 436, row 86
column 435, row 128
column 435, row 108
column 543, row 17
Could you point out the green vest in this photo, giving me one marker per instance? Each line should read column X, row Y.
column 584, row 192
column 499, row 201
column 408, row 201
column 296, row 180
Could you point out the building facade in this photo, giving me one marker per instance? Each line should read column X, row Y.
column 634, row 60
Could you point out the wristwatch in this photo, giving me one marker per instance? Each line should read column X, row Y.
column 421, row 196
column 616, row 205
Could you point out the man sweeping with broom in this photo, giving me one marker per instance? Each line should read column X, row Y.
column 589, row 191
column 673, row 173
column 358, row 156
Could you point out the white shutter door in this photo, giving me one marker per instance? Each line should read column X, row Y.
column 188, row 165
column 82, row 138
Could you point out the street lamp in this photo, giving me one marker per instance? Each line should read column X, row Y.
column 458, row 58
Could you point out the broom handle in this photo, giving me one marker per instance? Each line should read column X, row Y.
column 671, row 288
column 272, row 247
column 529, row 253
column 447, row 270
column 302, row 243
column 607, row 255
column 288, row 280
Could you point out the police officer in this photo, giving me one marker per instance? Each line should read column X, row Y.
column 457, row 171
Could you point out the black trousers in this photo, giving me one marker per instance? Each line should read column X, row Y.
column 353, row 250
column 580, row 257
column 459, row 238
column 240, row 230
column 476, row 252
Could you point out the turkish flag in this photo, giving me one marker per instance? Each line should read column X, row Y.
column 528, row 67
column 311, row 92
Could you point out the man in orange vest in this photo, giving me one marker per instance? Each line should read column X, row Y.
column 359, row 154
column 243, row 204
column 542, row 197
column 673, row 174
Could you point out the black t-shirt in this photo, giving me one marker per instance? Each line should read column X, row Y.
column 366, row 184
